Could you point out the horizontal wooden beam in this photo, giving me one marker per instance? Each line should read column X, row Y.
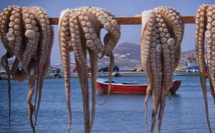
column 133, row 20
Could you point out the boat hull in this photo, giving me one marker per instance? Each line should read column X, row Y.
column 185, row 73
column 130, row 88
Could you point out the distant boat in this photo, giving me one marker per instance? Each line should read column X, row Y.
column 74, row 69
column 191, row 64
column 191, row 69
column 136, row 70
column 3, row 74
column 129, row 87
column 186, row 73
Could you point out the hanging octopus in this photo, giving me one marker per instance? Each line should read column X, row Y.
column 27, row 35
column 79, row 31
column 162, row 33
column 205, row 32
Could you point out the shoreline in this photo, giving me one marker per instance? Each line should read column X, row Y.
column 105, row 74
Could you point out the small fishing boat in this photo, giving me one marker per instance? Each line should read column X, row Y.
column 129, row 87
column 191, row 68
column 186, row 72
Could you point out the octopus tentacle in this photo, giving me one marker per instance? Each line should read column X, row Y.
column 164, row 68
column 109, row 78
column 158, row 54
column 200, row 20
column 32, row 37
column 5, row 19
column 145, row 46
column 91, row 34
column 32, row 41
column 33, row 69
column 100, row 20
column 110, row 40
column 175, row 27
column 16, row 42
column 92, row 41
column 156, row 68
column 113, row 33
column 76, row 40
column 20, row 36
column 81, row 62
column 148, row 45
column 65, row 48
column 164, row 37
column 93, row 63
column 210, row 41
column 45, row 67
column 83, row 73
column 48, row 59
column 15, row 33
column 11, row 29
column 84, row 28
column 44, row 45
column 171, row 37
column 105, row 18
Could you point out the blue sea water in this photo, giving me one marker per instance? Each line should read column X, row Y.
column 185, row 113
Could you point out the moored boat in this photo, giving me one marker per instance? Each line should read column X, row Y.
column 186, row 73
column 129, row 87
column 191, row 68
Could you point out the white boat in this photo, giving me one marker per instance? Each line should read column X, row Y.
column 186, row 73
column 191, row 68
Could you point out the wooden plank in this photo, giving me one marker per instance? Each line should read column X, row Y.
column 188, row 19
column 128, row 20
column 53, row 21
column 133, row 20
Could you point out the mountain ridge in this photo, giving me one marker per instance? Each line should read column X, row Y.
column 128, row 56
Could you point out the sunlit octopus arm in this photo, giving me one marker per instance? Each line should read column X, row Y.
column 199, row 38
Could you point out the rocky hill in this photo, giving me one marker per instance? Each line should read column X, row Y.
column 127, row 56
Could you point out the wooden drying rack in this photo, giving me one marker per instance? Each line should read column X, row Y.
column 133, row 20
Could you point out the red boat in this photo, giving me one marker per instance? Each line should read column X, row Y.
column 129, row 87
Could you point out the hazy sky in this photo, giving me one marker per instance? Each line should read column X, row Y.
column 120, row 8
